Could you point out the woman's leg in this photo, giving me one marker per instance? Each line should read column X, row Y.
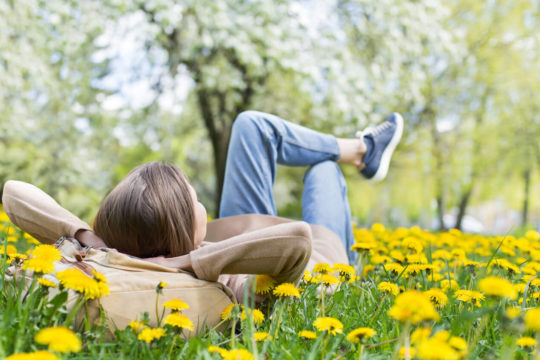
column 258, row 142
column 324, row 202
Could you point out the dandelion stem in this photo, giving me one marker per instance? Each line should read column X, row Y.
column 322, row 299
column 157, row 310
column 75, row 310
column 233, row 332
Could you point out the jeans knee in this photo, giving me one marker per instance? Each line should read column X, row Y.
column 249, row 122
column 245, row 121
column 328, row 171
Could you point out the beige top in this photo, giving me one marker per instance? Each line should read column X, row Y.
column 234, row 246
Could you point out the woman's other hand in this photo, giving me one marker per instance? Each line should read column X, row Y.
column 178, row 263
column 159, row 260
column 89, row 238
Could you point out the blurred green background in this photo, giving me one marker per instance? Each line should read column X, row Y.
column 90, row 89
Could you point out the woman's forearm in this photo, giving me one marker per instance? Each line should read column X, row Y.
column 179, row 262
column 38, row 214
column 89, row 238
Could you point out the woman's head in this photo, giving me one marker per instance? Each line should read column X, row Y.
column 152, row 211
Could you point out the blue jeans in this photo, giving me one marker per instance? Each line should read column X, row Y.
column 258, row 142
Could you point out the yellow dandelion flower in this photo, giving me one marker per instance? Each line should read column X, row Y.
column 393, row 268
column 256, row 315
column 3, row 216
column 412, row 244
column 227, row 311
column 12, row 238
column 413, row 269
column 31, row 240
column 452, row 285
column 39, row 265
column 161, row 286
column 532, row 235
column 322, row 268
column 441, row 254
column 46, row 282
column 8, row 250
column 388, row 287
column 416, row 259
column 18, row 256
column 286, row 289
column 420, row 334
column 526, row 342
column 264, row 284
column 99, row 277
column 437, row 297
column 413, row 306
column 328, row 279
column 513, row 312
column 380, row 259
column 360, row 334
column 496, row 286
column 332, row 325
column 237, row 354
column 179, row 320
column 76, row 280
column 520, row 288
column 363, row 246
column 59, row 339
column 221, row 351
column 175, row 305
column 307, row 334
column 459, row 344
column 412, row 352
column 442, row 335
column 367, row 269
column 148, row 335
column 397, row 255
column 532, row 319
column 434, row 349
column 262, row 336
column 344, row 269
column 47, row 252
column 37, row 355
column 136, row 326
column 506, row 265
column 477, row 297
column 307, row 276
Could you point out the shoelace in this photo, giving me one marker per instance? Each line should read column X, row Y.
column 375, row 131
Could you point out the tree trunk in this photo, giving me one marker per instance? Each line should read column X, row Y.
column 526, row 193
column 440, row 211
column 462, row 207
column 219, row 138
column 439, row 169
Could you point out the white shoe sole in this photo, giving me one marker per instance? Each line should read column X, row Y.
column 387, row 154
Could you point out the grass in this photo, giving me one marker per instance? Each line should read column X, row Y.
column 488, row 330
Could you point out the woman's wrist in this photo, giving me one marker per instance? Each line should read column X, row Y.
column 89, row 238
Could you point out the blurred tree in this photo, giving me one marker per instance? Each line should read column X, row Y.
column 52, row 132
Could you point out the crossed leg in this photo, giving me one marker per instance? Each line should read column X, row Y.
column 258, row 142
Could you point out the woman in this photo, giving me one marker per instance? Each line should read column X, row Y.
column 154, row 213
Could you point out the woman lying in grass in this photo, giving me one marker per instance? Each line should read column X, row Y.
column 154, row 213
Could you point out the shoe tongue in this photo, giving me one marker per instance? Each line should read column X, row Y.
column 370, row 144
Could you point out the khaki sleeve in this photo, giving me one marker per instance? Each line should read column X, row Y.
column 38, row 214
column 281, row 251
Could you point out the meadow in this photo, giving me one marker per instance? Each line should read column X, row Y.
column 413, row 294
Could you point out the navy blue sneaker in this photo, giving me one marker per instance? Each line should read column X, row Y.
column 381, row 142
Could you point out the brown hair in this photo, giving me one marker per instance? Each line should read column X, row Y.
column 149, row 213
